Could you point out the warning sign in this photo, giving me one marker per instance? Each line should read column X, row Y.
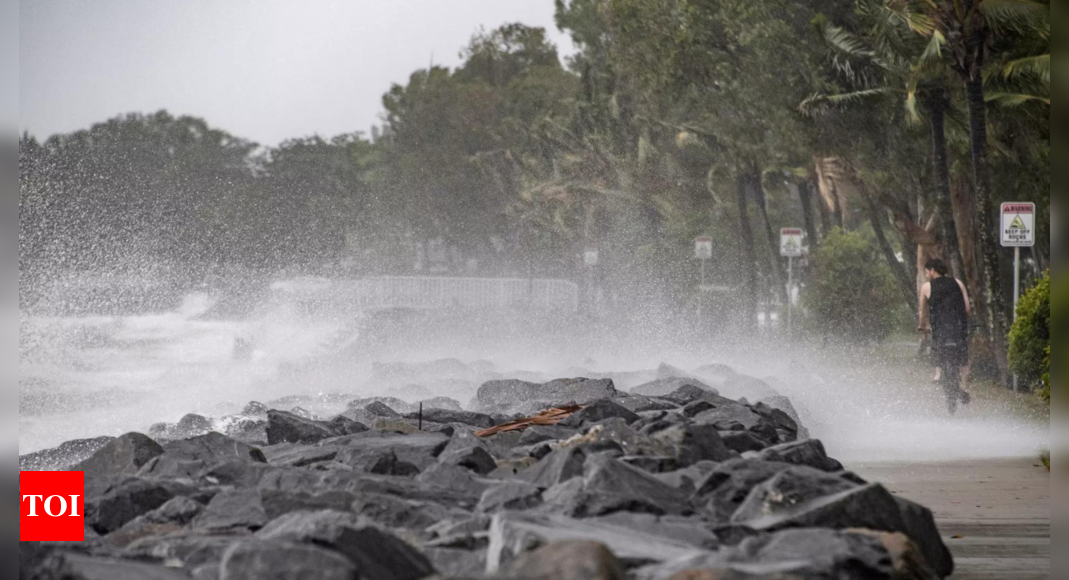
column 1018, row 225
column 790, row 242
column 703, row 247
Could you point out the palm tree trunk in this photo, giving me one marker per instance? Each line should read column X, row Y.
column 897, row 267
column 995, row 317
column 805, row 196
column 773, row 239
column 748, row 263
column 941, row 172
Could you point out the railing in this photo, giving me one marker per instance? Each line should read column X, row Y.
column 534, row 294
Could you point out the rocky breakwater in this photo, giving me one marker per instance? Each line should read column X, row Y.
column 668, row 481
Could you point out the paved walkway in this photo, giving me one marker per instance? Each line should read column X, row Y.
column 994, row 514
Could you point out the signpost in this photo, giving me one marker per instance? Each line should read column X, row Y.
column 790, row 247
column 1018, row 231
column 703, row 250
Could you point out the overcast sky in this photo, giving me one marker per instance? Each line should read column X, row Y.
column 265, row 70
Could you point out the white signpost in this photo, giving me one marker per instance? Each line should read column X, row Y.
column 790, row 247
column 703, row 250
column 1018, row 230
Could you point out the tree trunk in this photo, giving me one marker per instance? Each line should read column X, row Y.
column 748, row 263
column 897, row 267
column 941, row 173
column 995, row 317
column 805, row 196
column 773, row 239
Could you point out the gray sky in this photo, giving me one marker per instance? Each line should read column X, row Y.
column 265, row 70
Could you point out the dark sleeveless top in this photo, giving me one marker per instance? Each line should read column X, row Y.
column 950, row 322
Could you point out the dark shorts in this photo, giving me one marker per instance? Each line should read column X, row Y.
column 950, row 353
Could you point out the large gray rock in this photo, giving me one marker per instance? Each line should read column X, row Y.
column 599, row 411
column 539, row 433
column 468, row 451
column 666, row 386
column 555, row 468
column 870, row 506
column 279, row 560
column 376, row 555
column 119, row 502
column 420, row 449
column 784, row 490
column 803, row 554
column 691, row 443
column 567, row 560
column 725, row 487
column 513, row 533
column 240, row 508
column 503, row 395
column 397, row 513
column 510, row 495
column 187, row 457
column 124, row 455
column 609, row 486
column 68, row 566
column 285, row 427
column 809, row 452
column 62, row 457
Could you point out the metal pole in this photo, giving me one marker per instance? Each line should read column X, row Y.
column 701, row 288
column 1016, row 294
column 790, row 293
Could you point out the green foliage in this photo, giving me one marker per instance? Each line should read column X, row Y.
column 851, row 291
column 1029, row 355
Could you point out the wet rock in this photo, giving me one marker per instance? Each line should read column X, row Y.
column 508, row 394
column 809, row 452
column 786, row 489
column 456, row 562
column 691, row 443
column 247, row 430
column 391, row 403
column 62, row 457
column 442, row 403
column 283, row 427
column 374, row 553
column 124, row 500
column 510, row 495
column 257, row 560
column 68, row 566
column 380, row 409
column 255, row 409
column 420, row 449
column 124, row 455
column 295, row 455
column 567, row 560
column 740, row 386
column 185, row 458
column 870, row 506
column 513, row 533
column 609, row 486
column 742, row 441
column 343, row 425
column 676, row 528
column 240, row 508
column 687, row 478
column 642, row 404
column 276, row 503
column 454, row 416
column 813, row 553
column 474, row 457
column 177, row 512
column 539, row 433
column 669, row 385
column 555, row 468
column 192, row 425
column 599, row 411
column 729, row 483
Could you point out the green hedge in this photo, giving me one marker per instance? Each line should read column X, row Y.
column 1030, row 337
column 852, row 292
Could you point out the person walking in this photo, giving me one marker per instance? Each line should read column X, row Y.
column 945, row 307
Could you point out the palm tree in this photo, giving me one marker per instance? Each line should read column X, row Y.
column 965, row 33
column 891, row 62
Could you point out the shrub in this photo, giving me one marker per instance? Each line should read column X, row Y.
column 1029, row 354
column 852, row 292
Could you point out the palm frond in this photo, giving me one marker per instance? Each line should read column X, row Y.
column 1013, row 99
column 1038, row 66
column 819, row 102
column 1024, row 16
